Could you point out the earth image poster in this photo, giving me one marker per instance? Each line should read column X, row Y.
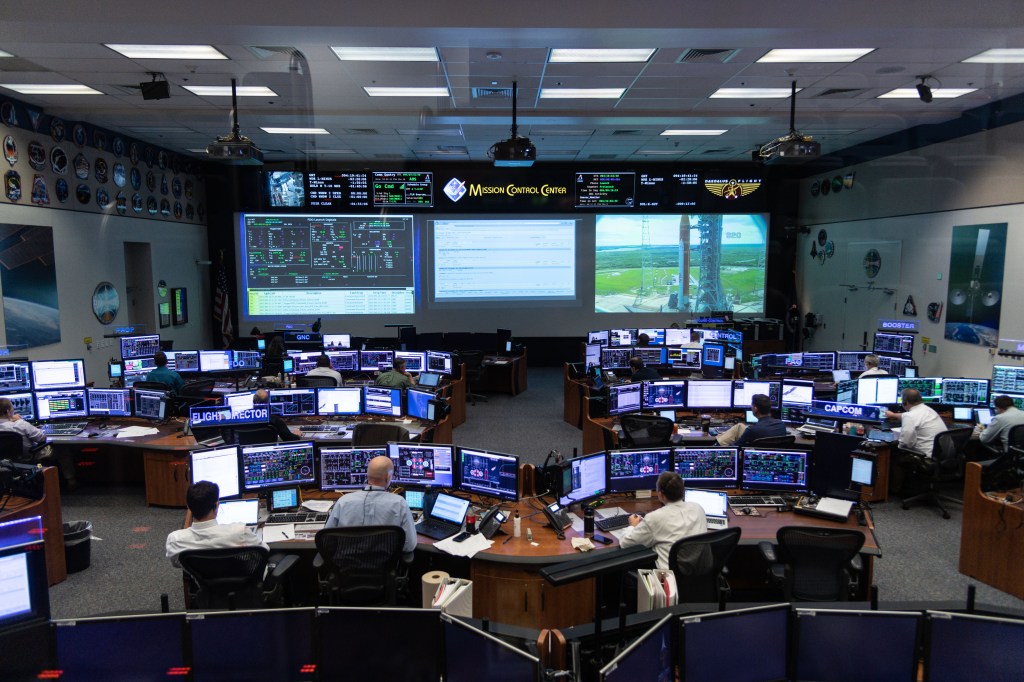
column 28, row 277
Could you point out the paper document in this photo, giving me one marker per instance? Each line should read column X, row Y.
column 318, row 505
column 137, row 431
column 467, row 548
column 608, row 512
column 278, row 532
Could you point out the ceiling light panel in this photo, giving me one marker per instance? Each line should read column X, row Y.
column 294, row 131
column 937, row 93
column 572, row 55
column 791, row 56
column 752, row 93
column 386, row 54
column 380, row 91
column 582, row 93
column 695, row 133
column 5, row 54
column 50, row 89
column 1006, row 55
column 168, row 51
column 225, row 90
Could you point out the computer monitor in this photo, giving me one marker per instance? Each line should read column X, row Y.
column 483, row 472
column 684, row 358
column 613, row 358
column 246, row 360
column 422, row 464
column 930, row 388
column 421, row 404
column 893, row 344
column 965, row 392
column 633, row 470
column 650, row 657
column 709, row 394
column 214, row 361
column 293, row 402
column 960, row 646
column 817, row 362
column 183, row 361
column 584, row 478
column 764, row 631
column 241, row 401
column 624, row 398
column 376, row 360
column 25, row 596
column 218, row 465
column 120, row 647
column 1007, row 379
column 599, row 337
column 344, row 468
column 261, row 344
column 439, row 362
column 344, row 360
column 472, row 654
column 878, row 390
column 63, row 404
column 664, row 395
column 337, row 341
column 677, row 337
column 715, row 467
column 150, row 404
column 222, row 415
column 832, row 455
column 713, row 354
column 744, row 390
column 342, row 631
column 261, row 644
column 622, row 337
column 846, row 391
column 775, row 470
column 24, row 405
column 110, row 402
column 304, row 362
column 139, row 346
column 415, row 361
column 48, row 375
column 136, row 369
column 896, row 366
column 862, row 471
column 655, row 335
column 852, row 646
column 429, row 380
column 275, row 464
column 653, row 356
column 332, row 402
column 592, row 354
column 963, row 414
column 15, row 376
column 382, row 400
column 797, row 392
column 852, row 360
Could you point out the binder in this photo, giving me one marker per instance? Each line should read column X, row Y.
column 454, row 597
column 656, row 589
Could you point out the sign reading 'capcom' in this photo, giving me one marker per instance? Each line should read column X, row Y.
column 845, row 411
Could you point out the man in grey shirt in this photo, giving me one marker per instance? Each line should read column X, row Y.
column 997, row 434
column 374, row 505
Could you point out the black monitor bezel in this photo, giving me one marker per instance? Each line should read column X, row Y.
column 462, row 486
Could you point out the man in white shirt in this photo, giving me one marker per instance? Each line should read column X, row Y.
column 203, row 498
column 675, row 520
column 871, row 365
column 323, row 369
column 920, row 425
column 997, row 434
column 34, row 446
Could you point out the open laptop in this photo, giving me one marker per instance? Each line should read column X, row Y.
column 239, row 511
column 715, row 504
column 445, row 518
column 984, row 415
column 428, row 379
column 840, row 375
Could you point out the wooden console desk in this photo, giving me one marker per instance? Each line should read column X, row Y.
column 53, row 523
column 992, row 536
column 503, row 374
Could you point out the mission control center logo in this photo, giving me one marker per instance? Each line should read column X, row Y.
column 456, row 189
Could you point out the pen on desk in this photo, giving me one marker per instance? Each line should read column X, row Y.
column 507, row 539
column 285, row 534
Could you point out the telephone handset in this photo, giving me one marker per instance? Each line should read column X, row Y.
column 558, row 519
column 490, row 522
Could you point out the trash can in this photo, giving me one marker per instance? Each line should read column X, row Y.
column 77, row 545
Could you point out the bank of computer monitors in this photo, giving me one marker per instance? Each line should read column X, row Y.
column 965, row 392
column 421, row 404
column 376, row 360
column 848, row 646
column 110, row 402
column 624, row 398
column 616, row 358
column 277, row 464
column 744, row 390
column 710, row 394
column 293, row 402
column 894, row 344
column 15, row 376
column 344, row 468
column 655, row 335
column 422, row 464
column 415, row 361
column 48, row 375
column 684, row 358
column 773, row 470
column 599, row 337
column 664, row 395
column 332, row 402
column 183, row 361
column 637, row 469
column 764, row 630
column 382, row 400
column 61, row 404
column 708, row 467
column 150, row 404
column 344, row 360
column 439, row 362
column 584, row 478
column 218, row 465
column 484, row 472
column 1007, row 379
column 621, row 337
column 139, row 346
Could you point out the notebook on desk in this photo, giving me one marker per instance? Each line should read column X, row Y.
column 715, row 504
column 239, row 511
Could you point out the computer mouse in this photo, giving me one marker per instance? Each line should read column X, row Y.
column 747, row 511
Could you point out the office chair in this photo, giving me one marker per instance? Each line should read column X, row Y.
column 235, row 577
column 152, row 386
column 642, row 430
column 814, row 564
column 945, row 464
column 473, row 362
column 194, row 393
column 378, row 434
column 698, row 562
column 12, row 447
column 1015, row 439
column 316, row 382
column 360, row 565
column 254, row 435
column 773, row 441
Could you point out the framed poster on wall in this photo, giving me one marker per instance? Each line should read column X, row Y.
column 179, row 306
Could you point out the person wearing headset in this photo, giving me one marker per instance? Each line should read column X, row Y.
column 374, row 505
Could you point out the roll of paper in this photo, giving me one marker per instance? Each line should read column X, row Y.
column 430, row 583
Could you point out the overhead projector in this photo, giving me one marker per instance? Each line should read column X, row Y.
column 235, row 149
column 513, row 152
column 790, row 148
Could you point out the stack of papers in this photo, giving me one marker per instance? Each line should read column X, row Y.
column 467, row 548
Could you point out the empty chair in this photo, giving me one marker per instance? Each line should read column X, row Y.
column 473, row 361
column 253, row 435
column 194, row 393
column 305, row 381
column 773, row 441
column 378, row 434
column 698, row 562
column 814, row 564
column 945, row 464
column 12, row 447
column 641, row 430
column 360, row 565
column 151, row 385
column 233, row 577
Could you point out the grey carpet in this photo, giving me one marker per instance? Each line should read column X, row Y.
column 128, row 570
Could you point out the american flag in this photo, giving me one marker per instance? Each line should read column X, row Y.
column 222, row 308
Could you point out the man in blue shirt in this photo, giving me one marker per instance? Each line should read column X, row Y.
column 374, row 505
column 165, row 376
column 766, row 426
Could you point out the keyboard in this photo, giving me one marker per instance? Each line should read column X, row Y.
column 64, row 429
column 318, row 428
column 612, row 522
column 717, row 523
column 756, row 501
column 297, row 517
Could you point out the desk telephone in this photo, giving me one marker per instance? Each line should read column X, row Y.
column 558, row 519
column 490, row 522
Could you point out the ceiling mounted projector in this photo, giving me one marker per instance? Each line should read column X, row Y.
column 515, row 152
column 791, row 147
column 235, row 148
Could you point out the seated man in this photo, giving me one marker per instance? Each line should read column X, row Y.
column 871, row 367
column 34, row 448
column 203, row 498
column 323, row 369
column 675, row 520
column 642, row 373
column 165, row 376
column 917, row 435
column 767, row 426
column 997, row 434
column 374, row 505
column 396, row 377
column 277, row 422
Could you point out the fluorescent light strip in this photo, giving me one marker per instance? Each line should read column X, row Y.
column 999, row 55
column 5, row 54
column 672, row 131
column 579, row 56
column 937, row 93
column 752, row 93
column 386, row 54
column 295, row 131
column 329, row 151
column 225, row 90
column 168, row 51
column 377, row 91
column 844, row 55
column 582, row 93
column 50, row 89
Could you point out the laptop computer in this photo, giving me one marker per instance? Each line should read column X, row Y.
column 445, row 518
column 239, row 511
column 984, row 415
column 840, row 375
column 428, row 379
column 715, row 504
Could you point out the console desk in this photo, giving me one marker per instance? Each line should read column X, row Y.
column 53, row 523
column 992, row 536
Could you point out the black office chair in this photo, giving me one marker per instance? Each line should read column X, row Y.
column 194, row 393
column 945, row 464
column 642, row 430
column 234, row 577
column 306, row 381
column 152, row 386
column 360, row 565
column 698, row 562
column 814, row 564
column 1015, row 439
column 773, row 441
column 473, row 360
column 378, row 434
column 254, row 435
